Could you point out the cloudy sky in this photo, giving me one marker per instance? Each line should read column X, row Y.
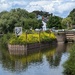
column 59, row 7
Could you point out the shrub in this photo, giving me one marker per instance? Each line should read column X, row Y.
column 32, row 38
column 18, row 40
column 69, row 65
column 5, row 38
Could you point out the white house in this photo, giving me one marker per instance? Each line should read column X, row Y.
column 44, row 21
column 44, row 26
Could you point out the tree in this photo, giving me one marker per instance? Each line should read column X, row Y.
column 54, row 21
column 39, row 24
column 17, row 17
column 32, row 15
column 66, row 23
column 30, row 23
column 42, row 13
column 72, row 16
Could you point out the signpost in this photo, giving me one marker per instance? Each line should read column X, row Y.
column 18, row 31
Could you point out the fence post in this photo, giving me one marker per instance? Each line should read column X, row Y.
column 26, row 42
column 39, row 36
column 49, row 33
column 39, row 39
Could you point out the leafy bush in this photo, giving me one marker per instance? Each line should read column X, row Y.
column 18, row 40
column 69, row 65
column 5, row 38
column 32, row 38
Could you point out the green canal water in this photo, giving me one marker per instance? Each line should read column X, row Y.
column 38, row 62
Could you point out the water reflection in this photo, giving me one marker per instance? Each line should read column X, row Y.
column 54, row 59
column 20, row 64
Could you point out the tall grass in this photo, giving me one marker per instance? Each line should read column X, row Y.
column 69, row 65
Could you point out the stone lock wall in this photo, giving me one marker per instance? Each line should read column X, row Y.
column 61, row 37
column 23, row 49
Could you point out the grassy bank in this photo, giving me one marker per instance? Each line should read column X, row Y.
column 27, row 38
column 69, row 65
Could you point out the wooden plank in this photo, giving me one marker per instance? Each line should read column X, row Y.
column 69, row 34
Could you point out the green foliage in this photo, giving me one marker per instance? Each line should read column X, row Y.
column 28, row 23
column 18, row 40
column 46, row 37
column 32, row 38
column 32, row 15
column 4, row 40
column 69, row 65
column 39, row 24
column 21, row 17
column 17, row 17
column 54, row 21
column 66, row 23
column 72, row 15
column 42, row 13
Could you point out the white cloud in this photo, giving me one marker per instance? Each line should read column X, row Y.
column 2, row 0
column 65, row 7
column 7, row 4
column 3, row 5
column 21, row 3
column 40, row 5
column 52, row 6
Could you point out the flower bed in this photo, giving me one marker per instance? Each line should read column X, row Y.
column 32, row 38
column 30, row 41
